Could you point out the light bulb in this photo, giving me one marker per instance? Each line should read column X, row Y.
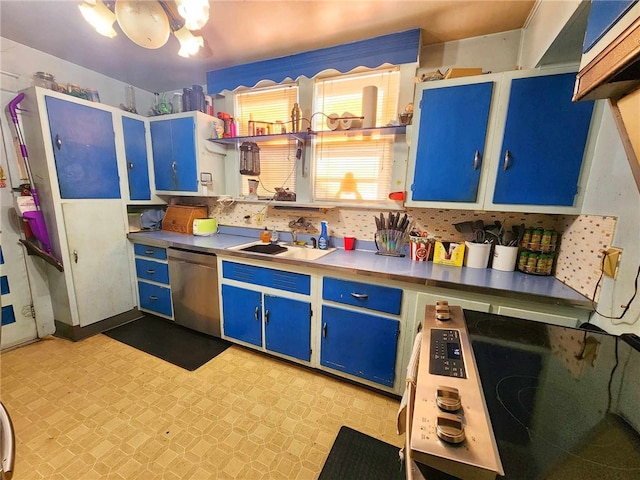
column 189, row 45
column 99, row 17
column 194, row 12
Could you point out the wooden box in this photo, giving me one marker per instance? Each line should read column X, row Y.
column 179, row 218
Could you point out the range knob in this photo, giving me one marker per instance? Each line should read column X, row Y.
column 449, row 428
column 442, row 310
column 448, row 398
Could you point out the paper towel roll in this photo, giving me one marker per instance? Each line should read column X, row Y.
column 369, row 106
column 333, row 122
column 346, row 123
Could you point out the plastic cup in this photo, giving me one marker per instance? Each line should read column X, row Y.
column 349, row 243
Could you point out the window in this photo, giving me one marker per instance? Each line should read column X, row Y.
column 349, row 168
column 264, row 108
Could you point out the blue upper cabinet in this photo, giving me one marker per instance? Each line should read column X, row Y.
column 84, row 150
column 135, row 146
column 602, row 16
column 543, row 143
column 451, row 143
column 174, row 155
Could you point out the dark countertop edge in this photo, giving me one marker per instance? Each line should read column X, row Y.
column 586, row 304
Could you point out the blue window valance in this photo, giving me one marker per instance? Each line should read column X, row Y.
column 396, row 48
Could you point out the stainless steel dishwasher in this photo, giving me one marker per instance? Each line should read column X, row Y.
column 193, row 277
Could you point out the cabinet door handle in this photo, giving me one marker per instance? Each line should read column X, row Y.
column 359, row 295
column 476, row 160
column 58, row 142
column 324, row 330
column 266, row 316
column 75, row 256
column 255, row 313
column 150, row 271
column 507, row 160
column 130, row 165
column 153, row 297
column 174, row 174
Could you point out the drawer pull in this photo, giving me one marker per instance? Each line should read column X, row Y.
column 150, row 271
column 255, row 313
column 324, row 330
column 359, row 295
column 153, row 297
column 149, row 252
column 266, row 316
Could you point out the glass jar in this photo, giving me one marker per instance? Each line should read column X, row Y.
column 176, row 103
column 44, row 80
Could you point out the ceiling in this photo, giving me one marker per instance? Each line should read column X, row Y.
column 241, row 31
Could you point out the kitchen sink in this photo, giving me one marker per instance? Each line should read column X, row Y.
column 283, row 250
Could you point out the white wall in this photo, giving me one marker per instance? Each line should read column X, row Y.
column 494, row 53
column 611, row 190
column 23, row 62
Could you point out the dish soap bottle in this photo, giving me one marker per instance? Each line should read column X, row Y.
column 323, row 239
column 274, row 235
column 265, row 236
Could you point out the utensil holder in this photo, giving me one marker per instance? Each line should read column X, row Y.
column 390, row 242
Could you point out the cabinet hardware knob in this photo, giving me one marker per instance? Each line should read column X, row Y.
column 153, row 297
column 266, row 316
column 255, row 313
column 75, row 256
column 476, row 160
column 324, row 330
column 507, row 160
column 58, row 142
column 130, row 165
column 359, row 295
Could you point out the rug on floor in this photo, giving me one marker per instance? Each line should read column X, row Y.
column 355, row 455
column 173, row 343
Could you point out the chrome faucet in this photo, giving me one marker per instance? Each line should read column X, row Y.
column 294, row 237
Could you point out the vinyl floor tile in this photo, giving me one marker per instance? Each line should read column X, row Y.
column 100, row 409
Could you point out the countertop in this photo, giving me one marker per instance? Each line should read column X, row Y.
column 366, row 263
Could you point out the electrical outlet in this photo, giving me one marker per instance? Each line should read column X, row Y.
column 611, row 261
column 259, row 218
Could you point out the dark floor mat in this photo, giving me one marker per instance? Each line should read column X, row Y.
column 166, row 340
column 355, row 455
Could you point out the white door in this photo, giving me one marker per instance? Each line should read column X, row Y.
column 18, row 324
column 99, row 262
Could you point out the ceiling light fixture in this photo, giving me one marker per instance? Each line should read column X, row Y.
column 194, row 12
column 149, row 23
column 99, row 17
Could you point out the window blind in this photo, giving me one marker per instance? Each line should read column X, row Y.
column 265, row 107
column 358, row 167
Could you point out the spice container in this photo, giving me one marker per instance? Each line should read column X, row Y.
column 537, row 255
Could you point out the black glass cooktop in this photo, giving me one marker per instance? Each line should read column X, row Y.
column 564, row 403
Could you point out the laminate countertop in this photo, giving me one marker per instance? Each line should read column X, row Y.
column 366, row 263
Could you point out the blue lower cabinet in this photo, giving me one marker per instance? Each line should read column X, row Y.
column 242, row 314
column 155, row 298
column 359, row 344
column 288, row 326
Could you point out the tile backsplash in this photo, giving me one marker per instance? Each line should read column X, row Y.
column 581, row 236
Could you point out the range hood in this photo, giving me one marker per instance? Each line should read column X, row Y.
column 613, row 72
